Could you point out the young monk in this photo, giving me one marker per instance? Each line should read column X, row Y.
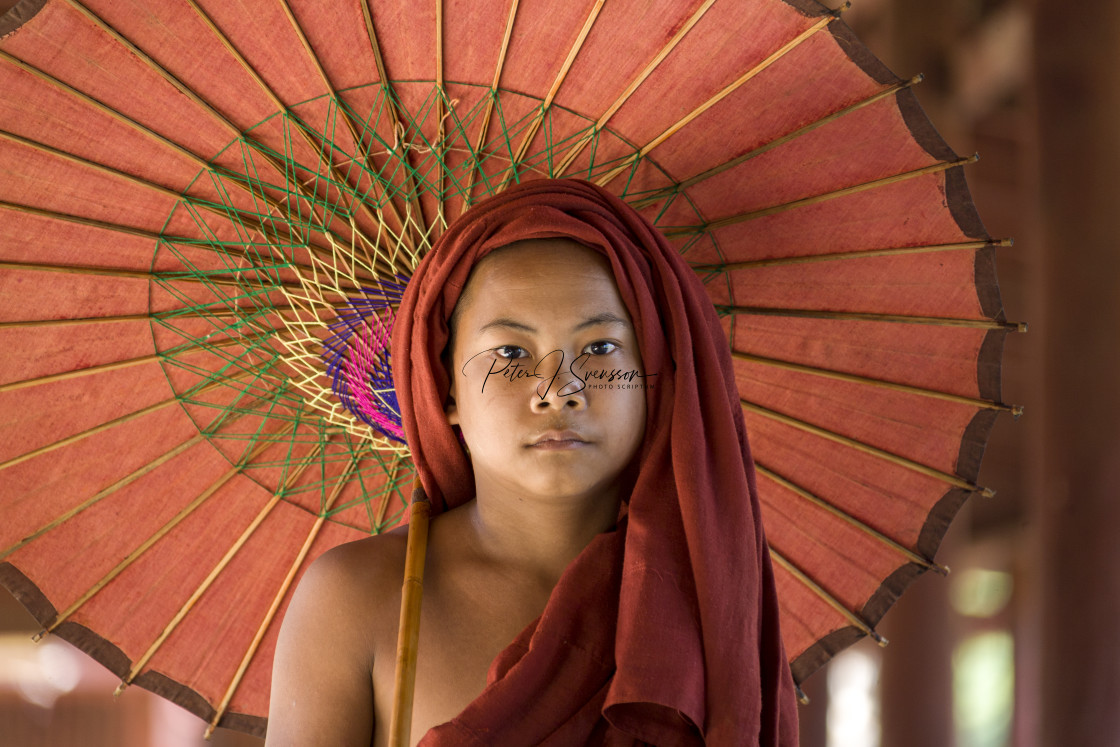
column 596, row 571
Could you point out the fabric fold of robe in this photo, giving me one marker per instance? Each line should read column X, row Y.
column 665, row 630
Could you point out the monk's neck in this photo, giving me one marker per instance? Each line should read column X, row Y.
column 539, row 535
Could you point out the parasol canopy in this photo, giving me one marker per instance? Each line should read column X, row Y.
column 208, row 212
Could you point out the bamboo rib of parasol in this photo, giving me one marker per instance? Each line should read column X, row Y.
column 408, row 634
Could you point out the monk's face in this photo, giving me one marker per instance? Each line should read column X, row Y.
column 546, row 373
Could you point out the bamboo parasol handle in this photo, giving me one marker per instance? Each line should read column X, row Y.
column 404, row 684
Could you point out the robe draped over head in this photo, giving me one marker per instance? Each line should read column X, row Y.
column 665, row 629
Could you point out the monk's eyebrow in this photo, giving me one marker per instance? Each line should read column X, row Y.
column 505, row 323
column 605, row 317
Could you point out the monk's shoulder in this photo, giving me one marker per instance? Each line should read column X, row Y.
column 361, row 580
column 372, row 560
column 338, row 627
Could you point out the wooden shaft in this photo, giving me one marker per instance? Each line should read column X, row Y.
column 408, row 636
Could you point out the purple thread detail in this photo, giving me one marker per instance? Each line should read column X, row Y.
column 361, row 374
column 358, row 358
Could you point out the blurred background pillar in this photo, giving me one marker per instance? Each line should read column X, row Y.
column 915, row 684
column 1077, row 52
column 813, row 716
column 916, row 678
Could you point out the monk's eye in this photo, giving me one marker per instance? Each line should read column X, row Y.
column 509, row 352
column 602, row 347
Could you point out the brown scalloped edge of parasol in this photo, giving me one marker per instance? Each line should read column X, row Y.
column 21, row 13
column 987, row 285
column 861, row 55
column 974, row 440
column 112, row 658
column 185, row 697
column 27, row 593
column 989, row 364
column 809, row 8
column 825, row 649
column 958, row 198
column 933, row 531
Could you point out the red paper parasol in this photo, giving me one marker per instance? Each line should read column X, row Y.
column 207, row 212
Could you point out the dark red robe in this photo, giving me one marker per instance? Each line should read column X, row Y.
column 664, row 630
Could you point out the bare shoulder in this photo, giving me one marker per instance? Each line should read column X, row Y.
column 357, row 571
column 342, row 618
column 358, row 586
